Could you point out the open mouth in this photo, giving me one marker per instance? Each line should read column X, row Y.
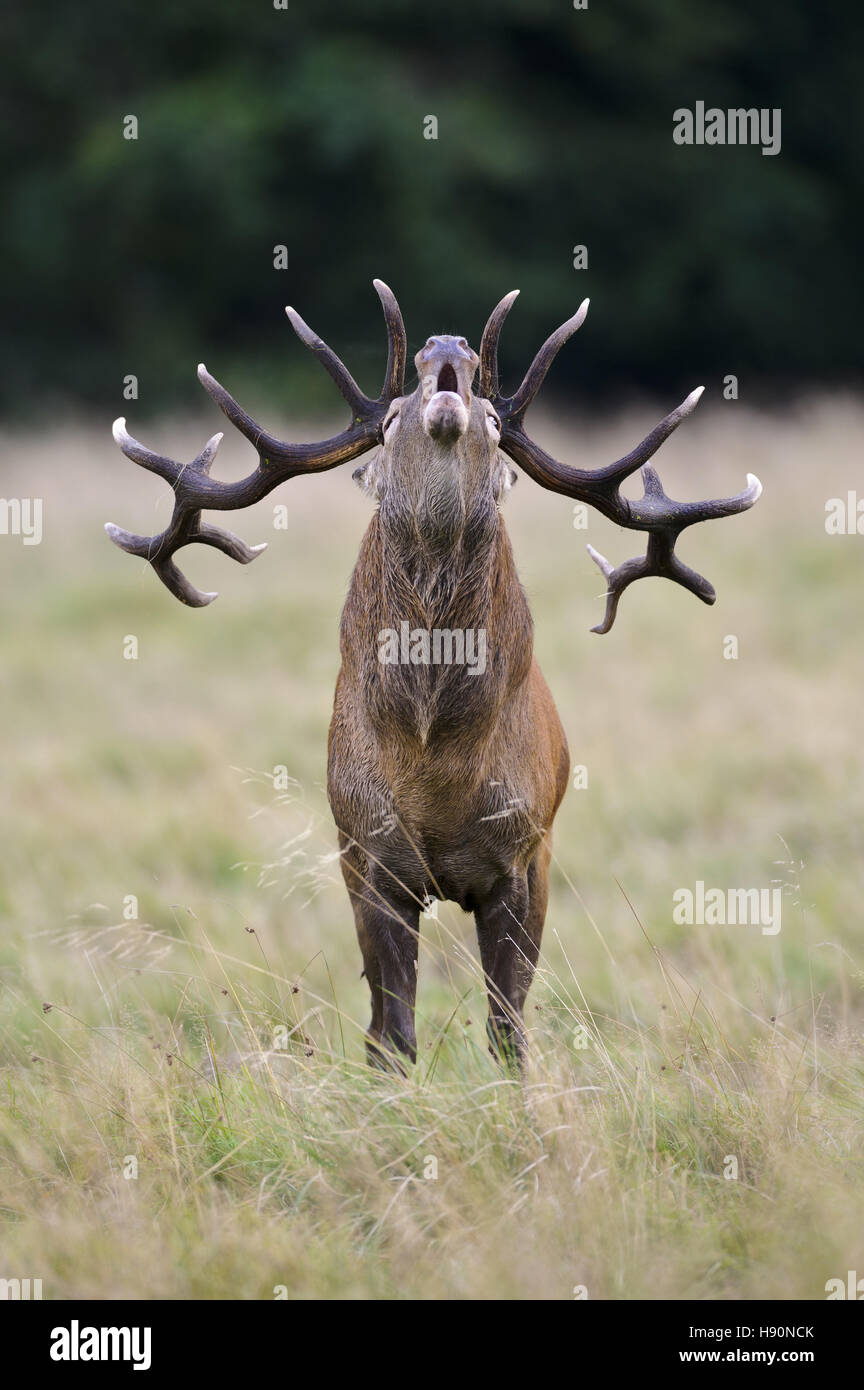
column 447, row 378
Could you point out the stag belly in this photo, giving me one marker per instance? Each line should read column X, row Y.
column 445, row 835
column 451, row 816
column 465, row 839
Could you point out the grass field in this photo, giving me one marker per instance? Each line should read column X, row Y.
column 185, row 1108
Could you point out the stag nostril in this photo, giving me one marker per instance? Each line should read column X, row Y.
column 447, row 380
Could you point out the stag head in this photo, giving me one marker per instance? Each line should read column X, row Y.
column 439, row 463
column 439, row 467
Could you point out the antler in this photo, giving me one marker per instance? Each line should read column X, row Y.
column 654, row 512
column 195, row 490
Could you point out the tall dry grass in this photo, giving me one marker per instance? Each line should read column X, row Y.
column 214, row 1042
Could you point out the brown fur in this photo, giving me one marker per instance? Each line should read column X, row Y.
column 443, row 783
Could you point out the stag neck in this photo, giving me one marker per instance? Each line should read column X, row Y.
column 472, row 594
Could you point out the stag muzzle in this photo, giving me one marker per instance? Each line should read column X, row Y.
column 446, row 368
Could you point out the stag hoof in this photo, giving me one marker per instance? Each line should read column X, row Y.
column 507, row 1043
column 384, row 1054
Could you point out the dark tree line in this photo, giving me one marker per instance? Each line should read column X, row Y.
column 304, row 127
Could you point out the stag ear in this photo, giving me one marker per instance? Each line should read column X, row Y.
column 503, row 477
column 368, row 477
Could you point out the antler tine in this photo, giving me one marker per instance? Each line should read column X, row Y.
column 536, row 373
column 397, row 344
column 663, row 518
column 195, row 490
column 648, row 447
column 185, row 525
column 155, row 463
column 654, row 506
column 513, row 408
column 228, row 543
column 366, row 413
column 489, row 385
column 397, row 354
column 660, row 560
column 291, row 459
column 332, row 364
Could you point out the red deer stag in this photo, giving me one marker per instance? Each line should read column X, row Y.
column 447, row 759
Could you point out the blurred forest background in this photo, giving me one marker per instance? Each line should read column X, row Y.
column 304, row 127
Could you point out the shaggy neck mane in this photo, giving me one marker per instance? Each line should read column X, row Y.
column 402, row 577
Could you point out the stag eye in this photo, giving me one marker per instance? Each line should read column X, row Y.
column 385, row 428
column 493, row 428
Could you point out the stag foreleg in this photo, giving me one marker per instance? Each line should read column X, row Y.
column 509, row 928
column 387, row 922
